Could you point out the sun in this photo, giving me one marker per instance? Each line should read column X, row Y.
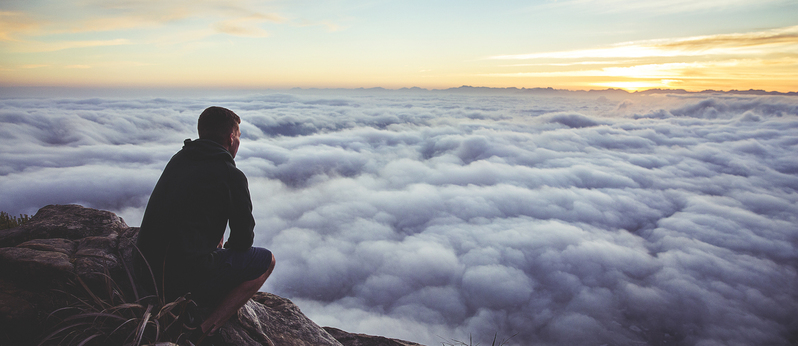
column 640, row 85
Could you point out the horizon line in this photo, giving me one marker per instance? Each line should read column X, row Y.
column 413, row 88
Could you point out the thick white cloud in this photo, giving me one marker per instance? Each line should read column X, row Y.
column 432, row 215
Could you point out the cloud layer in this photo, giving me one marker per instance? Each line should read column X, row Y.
column 430, row 215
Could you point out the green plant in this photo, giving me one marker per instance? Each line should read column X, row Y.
column 111, row 314
column 8, row 221
column 455, row 342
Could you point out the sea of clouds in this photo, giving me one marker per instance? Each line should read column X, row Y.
column 569, row 219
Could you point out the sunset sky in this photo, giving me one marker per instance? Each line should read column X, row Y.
column 566, row 44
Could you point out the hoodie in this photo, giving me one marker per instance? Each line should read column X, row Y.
column 200, row 191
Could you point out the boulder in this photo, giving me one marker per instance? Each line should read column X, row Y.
column 40, row 258
column 60, row 243
column 268, row 319
column 349, row 339
column 65, row 222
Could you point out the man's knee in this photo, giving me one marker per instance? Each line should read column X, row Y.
column 271, row 266
column 268, row 272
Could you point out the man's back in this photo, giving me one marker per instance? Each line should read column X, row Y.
column 198, row 192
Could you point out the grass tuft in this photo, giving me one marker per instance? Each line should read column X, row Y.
column 110, row 314
column 496, row 341
column 10, row 221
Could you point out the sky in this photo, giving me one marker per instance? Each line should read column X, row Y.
column 429, row 215
column 603, row 218
column 566, row 44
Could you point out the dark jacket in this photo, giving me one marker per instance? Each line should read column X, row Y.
column 199, row 192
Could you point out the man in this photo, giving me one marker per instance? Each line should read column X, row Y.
column 200, row 191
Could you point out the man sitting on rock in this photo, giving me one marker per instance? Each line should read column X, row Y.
column 200, row 191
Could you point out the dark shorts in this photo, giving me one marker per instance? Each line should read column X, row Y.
column 229, row 269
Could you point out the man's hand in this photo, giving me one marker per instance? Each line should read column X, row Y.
column 221, row 242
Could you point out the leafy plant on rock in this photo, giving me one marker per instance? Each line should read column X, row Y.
column 9, row 221
column 110, row 314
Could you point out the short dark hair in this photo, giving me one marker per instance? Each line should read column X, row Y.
column 217, row 123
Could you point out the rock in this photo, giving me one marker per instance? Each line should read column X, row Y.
column 258, row 324
column 96, row 255
column 65, row 222
column 63, row 246
column 64, row 242
column 349, row 339
column 282, row 322
column 38, row 264
column 41, row 256
column 61, row 241
column 18, row 309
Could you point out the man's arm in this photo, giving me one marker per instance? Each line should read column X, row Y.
column 242, row 224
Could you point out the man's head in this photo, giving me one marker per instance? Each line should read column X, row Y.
column 221, row 126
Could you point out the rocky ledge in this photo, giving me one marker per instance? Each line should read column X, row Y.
column 63, row 242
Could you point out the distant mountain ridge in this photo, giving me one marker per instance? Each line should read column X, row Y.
column 552, row 91
column 44, row 92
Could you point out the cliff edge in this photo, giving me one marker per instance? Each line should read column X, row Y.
column 41, row 261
